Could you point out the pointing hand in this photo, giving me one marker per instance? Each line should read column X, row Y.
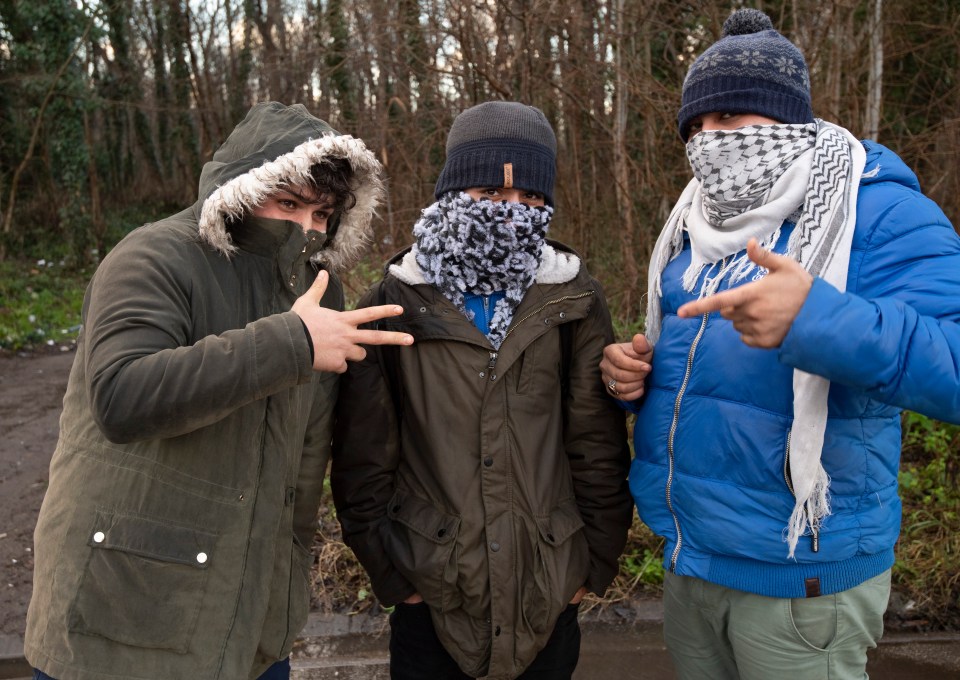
column 761, row 311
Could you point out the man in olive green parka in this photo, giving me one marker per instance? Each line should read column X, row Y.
column 174, row 538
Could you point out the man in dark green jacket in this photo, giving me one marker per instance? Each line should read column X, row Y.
column 174, row 539
column 480, row 476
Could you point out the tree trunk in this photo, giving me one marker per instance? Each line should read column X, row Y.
column 871, row 125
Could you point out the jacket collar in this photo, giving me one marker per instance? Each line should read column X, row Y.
column 264, row 236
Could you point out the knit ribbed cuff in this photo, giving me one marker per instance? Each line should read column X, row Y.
column 481, row 164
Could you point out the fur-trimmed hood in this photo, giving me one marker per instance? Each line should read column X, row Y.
column 276, row 145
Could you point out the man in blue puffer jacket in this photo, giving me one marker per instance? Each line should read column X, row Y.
column 768, row 439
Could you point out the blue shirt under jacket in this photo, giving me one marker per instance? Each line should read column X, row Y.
column 483, row 307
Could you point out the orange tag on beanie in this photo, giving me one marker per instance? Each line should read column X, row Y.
column 508, row 175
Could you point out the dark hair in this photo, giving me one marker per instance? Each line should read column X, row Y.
column 331, row 178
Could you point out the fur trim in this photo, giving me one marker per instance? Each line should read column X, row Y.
column 555, row 267
column 407, row 270
column 242, row 193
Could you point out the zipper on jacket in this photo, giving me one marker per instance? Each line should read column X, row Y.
column 513, row 327
column 814, row 531
column 786, row 464
column 670, row 438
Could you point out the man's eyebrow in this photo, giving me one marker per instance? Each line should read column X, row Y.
column 324, row 199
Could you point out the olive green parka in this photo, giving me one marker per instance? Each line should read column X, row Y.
column 174, row 538
column 492, row 483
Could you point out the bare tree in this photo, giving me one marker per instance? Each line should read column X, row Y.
column 871, row 126
column 168, row 79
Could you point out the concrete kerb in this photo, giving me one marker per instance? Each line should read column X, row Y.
column 355, row 647
column 349, row 647
column 345, row 647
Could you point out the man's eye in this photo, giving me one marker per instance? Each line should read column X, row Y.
column 286, row 203
column 533, row 196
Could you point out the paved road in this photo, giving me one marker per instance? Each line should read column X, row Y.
column 355, row 648
column 338, row 648
column 634, row 653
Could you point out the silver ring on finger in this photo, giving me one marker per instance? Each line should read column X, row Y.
column 612, row 387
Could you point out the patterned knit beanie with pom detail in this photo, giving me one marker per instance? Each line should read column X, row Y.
column 751, row 69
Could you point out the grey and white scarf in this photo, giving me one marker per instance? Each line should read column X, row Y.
column 747, row 183
column 466, row 246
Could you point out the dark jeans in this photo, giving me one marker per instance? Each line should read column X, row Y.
column 416, row 652
column 278, row 671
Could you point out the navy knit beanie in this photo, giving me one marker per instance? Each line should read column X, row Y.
column 500, row 144
column 751, row 69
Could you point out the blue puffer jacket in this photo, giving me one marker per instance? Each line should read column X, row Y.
column 712, row 435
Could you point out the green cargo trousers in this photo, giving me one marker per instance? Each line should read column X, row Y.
column 724, row 634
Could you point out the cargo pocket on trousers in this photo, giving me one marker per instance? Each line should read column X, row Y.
column 560, row 567
column 143, row 584
column 421, row 542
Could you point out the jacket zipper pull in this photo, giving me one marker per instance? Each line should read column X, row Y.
column 493, row 361
column 815, row 539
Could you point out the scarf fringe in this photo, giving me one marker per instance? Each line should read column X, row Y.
column 807, row 517
column 736, row 269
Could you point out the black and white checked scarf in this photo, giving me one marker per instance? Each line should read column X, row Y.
column 466, row 246
column 738, row 168
column 747, row 182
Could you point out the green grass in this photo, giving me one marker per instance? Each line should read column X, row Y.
column 928, row 554
column 39, row 303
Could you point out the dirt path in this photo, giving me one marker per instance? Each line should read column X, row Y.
column 31, row 394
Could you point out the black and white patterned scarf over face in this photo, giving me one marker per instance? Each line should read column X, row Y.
column 738, row 168
column 466, row 246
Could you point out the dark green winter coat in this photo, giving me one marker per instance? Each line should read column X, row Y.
column 492, row 483
column 174, row 538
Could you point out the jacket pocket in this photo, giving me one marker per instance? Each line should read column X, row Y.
column 143, row 583
column 420, row 541
column 560, row 566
